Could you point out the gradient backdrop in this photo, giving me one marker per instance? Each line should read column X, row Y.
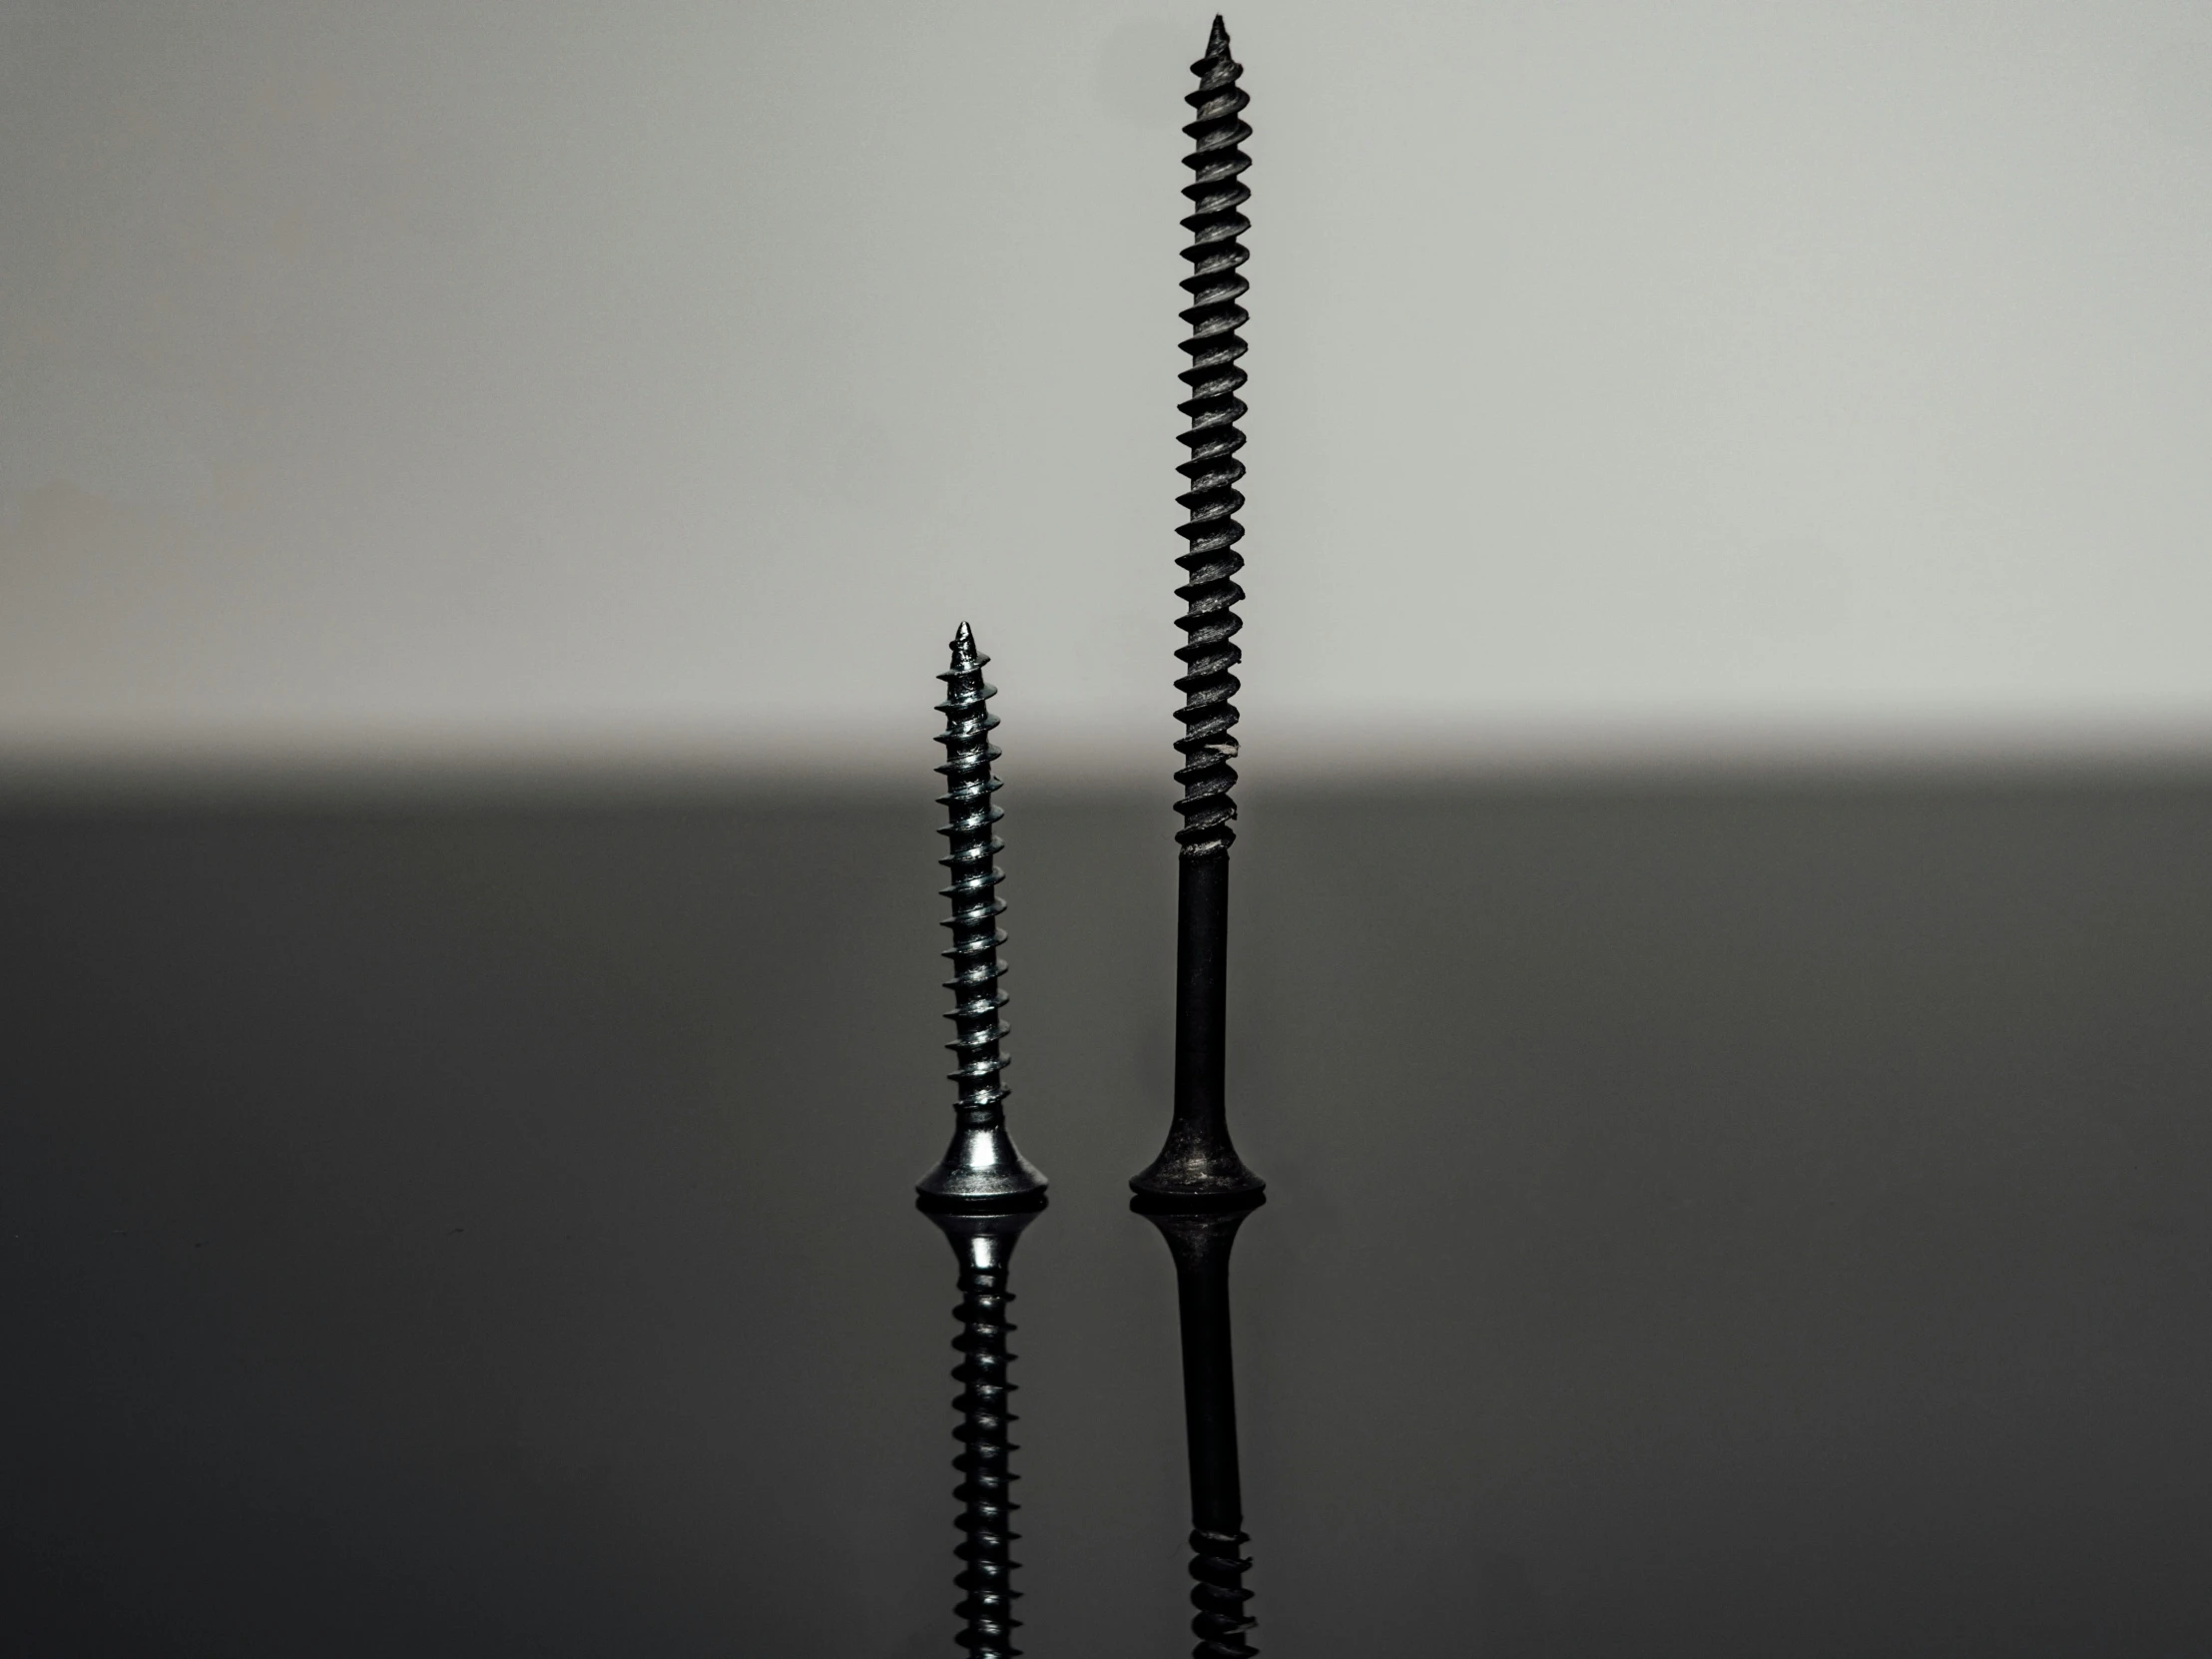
column 1724, row 923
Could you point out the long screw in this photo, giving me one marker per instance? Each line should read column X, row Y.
column 1198, row 1159
column 1198, row 1191
column 982, row 1166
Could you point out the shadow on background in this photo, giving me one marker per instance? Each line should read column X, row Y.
column 1729, row 1219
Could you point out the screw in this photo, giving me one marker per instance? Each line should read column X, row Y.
column 1198, row 1191
column 1216, row 284
column 982, row 1166
column 1199, row 1159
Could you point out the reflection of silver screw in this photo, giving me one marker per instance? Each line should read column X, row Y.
column 1199, row 1159
column 984, row 1244
column 982, row 1166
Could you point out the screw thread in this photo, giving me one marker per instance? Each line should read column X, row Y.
column 1217, row 1568
column 1216, row 285
column 976, row 906
column 985, row 1489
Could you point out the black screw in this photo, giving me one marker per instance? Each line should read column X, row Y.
column 982, row 1166
column 1198, row 1191
column 1199, row 1159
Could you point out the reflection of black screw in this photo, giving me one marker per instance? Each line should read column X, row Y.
column 1199, row 1159
column 1200, row 1235
column 981, row 1165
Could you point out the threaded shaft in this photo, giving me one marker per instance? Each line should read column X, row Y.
column 1216, row 285
column 976, row 906
column 985, row 1489
column 1218, row 1592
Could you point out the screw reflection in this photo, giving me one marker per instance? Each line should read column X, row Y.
column 1200, row 1235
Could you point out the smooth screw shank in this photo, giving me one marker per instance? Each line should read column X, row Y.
column 1200, row 1238
column 1216, row 285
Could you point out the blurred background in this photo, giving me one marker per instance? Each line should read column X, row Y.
column 1723, row 920
column 420, row 380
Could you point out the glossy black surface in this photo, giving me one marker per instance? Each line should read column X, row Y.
column 1200, row 1237
column 1216, row 287
column 1198, row 1159
column 1750, row 1218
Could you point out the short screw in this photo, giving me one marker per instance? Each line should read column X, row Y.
column 982, row 1166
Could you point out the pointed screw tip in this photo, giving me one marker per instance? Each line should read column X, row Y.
column 1217, row 41
column 964, row 645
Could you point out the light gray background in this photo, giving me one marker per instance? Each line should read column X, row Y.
column 419, row 379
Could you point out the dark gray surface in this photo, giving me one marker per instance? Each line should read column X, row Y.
column 1738, row 1219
